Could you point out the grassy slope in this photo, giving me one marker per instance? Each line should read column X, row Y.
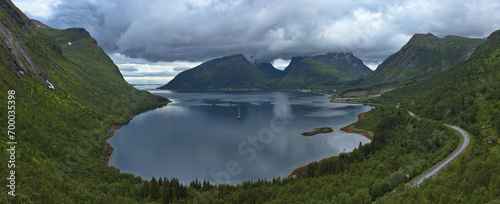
column 60, row 131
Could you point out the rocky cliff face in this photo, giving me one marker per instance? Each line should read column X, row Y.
column 18, row 34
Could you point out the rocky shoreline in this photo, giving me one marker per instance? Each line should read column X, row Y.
column 322, row 130
column 111, row 132
column 348, row 129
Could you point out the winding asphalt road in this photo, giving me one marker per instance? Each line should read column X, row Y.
column 437, row 168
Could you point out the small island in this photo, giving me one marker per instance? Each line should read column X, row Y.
column 318, row 131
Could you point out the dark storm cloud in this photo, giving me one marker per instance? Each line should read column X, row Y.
column 265, row 30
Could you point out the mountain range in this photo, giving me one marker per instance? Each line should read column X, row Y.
column 236, row 72
column 424, row 55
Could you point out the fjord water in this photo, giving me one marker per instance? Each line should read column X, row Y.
column 199, row 135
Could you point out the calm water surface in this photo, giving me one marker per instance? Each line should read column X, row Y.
column 199, row 135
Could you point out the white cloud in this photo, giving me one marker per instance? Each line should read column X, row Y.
column 37, row 8
column 140, row 71
column 281, row 64
column 148, row 80
column 373, row 65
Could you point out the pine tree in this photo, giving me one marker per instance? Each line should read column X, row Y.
column 155, row 189
column 206, row 185
column 145, row 190
column 166, row 191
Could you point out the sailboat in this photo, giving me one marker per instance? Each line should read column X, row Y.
column 239, row 112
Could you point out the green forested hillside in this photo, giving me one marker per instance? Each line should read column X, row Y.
column 66, row 98
column 468, row 95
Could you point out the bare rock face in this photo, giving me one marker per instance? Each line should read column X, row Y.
column 15, row 35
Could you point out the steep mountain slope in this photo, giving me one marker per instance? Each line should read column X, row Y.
column 323, row 71
column 294, row 61
column 454, row 95
column 66, row 98
column 226, row 72
column 424, row 55
column 270, row 70
column 468, row 96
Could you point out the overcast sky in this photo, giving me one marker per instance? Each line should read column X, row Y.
column 153, row 40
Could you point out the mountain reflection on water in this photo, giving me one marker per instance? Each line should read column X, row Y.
column 199, row 135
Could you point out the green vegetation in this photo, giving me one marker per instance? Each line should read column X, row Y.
column 423, row 56
column 323, row 71
column 60, row 131
column 317, row 131
column 307, row 72
column 68, row 96
column 227, row 72
column 467, row 96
